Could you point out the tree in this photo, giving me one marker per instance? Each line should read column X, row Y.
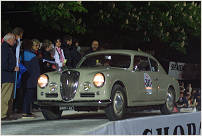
column 61, row 16
column 171, row 22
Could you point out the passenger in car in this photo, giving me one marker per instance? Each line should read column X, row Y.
column 136, row 63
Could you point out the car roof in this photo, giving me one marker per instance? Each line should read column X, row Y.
column 121, row 51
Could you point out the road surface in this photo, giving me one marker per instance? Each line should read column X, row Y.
column 72, row 123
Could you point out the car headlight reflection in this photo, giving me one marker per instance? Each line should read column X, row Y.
column 98, row 80
column 43, row 81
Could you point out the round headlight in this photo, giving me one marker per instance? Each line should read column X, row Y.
column 43, row 81
column 98, row 80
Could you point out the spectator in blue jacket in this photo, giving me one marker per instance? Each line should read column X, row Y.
column 8, row 68
column 33, row 71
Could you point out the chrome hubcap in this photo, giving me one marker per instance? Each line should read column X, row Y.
column 118, row 103
column 170, row 101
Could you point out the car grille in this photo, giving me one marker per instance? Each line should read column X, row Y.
column 87, row 95
column 69, row 80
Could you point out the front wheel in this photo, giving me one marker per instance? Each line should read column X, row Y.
column 117, row 108
column 168, row 107
column 51, row 113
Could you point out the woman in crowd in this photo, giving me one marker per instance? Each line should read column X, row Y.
column 36, row 44
column 48, row 61
column 33, row 71
column 59, row 54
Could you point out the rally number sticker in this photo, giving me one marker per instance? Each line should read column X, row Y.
column 147, row 83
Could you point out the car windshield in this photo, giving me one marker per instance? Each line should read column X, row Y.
column 110, row 60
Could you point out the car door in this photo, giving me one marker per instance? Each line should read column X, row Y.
column 161, row 79
column 147, row 87
column 155, row 77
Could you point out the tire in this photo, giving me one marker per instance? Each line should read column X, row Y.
column 51, row 113
column 117, row 109
column 168, row 107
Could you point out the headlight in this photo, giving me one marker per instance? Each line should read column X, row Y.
column 99, row 80
column 43, row 81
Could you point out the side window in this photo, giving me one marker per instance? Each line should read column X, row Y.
column 113, row 60
column 141, row 63
column 154, row 65
column 120, row 61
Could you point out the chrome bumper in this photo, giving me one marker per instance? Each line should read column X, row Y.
column 74, row 103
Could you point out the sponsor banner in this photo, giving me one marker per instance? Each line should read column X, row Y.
column 174, row 124
column 176, row 70
column 184, row 71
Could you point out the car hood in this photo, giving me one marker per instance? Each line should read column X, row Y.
column 86, row 70
column 92, row 69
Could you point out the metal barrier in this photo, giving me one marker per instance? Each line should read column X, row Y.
column 174, row 124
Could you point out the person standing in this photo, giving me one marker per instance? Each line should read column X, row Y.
column 47, row 58
column 70, row 52
column 94, row 47
column 33, row 72
column 36, row 44
column 59, row 54
column 18, row 32
column 18, row 92
column 8, row 69
column 76, row 43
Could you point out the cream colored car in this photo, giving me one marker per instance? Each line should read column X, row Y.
column 112, row 80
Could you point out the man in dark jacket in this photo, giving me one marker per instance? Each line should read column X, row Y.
column 8, row 69
column 70, row 52
column 94, row 47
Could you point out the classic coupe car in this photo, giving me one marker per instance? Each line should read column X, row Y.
column 111, row 80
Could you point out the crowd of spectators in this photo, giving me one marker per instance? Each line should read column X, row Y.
column 189, row 97
column 23, row 60
column 29, row 58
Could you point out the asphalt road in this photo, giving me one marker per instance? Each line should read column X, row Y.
column 72, row 123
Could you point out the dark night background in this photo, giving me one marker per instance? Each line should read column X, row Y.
column 108, row 35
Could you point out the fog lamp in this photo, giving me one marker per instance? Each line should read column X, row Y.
column 53, row 86
column 86, row 86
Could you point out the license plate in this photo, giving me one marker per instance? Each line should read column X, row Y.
column 67, row 108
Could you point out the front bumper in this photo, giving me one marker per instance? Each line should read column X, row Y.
column 99, row 103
